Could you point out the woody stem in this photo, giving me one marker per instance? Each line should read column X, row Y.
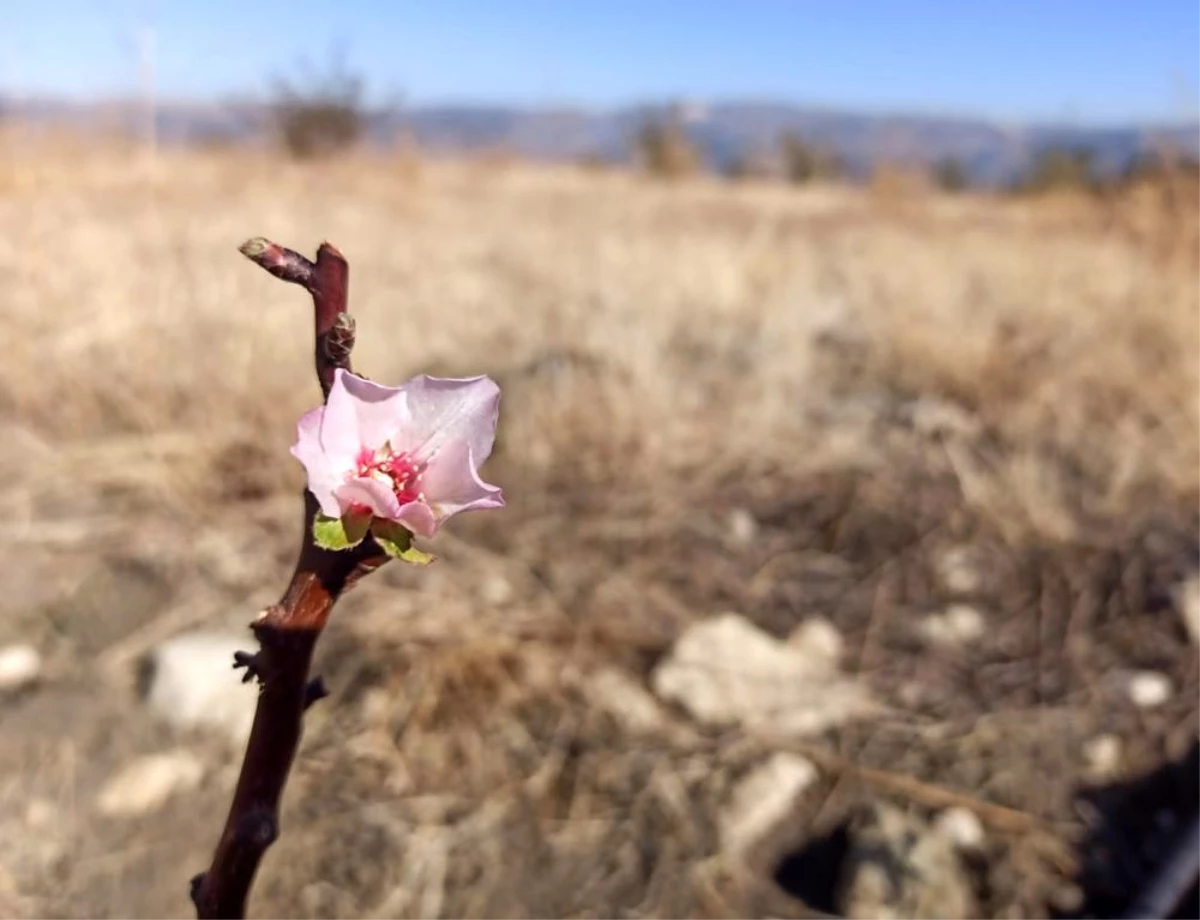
column 288, row 631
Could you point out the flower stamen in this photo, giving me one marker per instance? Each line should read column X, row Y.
column 398, row 471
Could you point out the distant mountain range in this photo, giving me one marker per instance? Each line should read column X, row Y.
column 725, row 132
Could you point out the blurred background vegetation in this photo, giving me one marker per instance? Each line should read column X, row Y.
column 852, row 456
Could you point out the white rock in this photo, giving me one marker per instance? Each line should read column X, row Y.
column 496, row 590
column 20, row 666
column 932, row 416
column 1187, row 602
column 1148, row 689
column 898, row 866
column 962, row 826
column 763, row 802
column 193, row 685
column 146, row 783
column 1102, row 756
column 40, row 813
column 958, row 624
column 724, row 671
column 625, row 700
column 377, row 706
column 741, row 527
column 966, row 622
column 818, row 638
column 958, row 570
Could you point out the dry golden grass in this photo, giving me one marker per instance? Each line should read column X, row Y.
column 666, row 351
column 696, row 326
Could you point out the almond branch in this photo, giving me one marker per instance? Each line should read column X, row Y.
column 288, row 631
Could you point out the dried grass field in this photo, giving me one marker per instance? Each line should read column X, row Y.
column 959, row 433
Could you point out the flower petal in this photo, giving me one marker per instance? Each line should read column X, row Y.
column 339, row 425
column 418, row 517
column 322, row 478
column 494, row 498
column 452, row 481
column 443, row 410
column 369, row 492
column 381, row 411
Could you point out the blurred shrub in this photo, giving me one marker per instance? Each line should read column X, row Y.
column 1060, row 168
column 805, row 162
column 950, row 175
column 750, row 165
column 1155, row 201
column 665, row 150
column 217, row 138
column 326, row 115
column 1159, row 167
column 898, row 185
column 594, row 162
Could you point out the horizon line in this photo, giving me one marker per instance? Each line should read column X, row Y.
column 399, row 103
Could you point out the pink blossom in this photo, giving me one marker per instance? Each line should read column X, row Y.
column 408, row 454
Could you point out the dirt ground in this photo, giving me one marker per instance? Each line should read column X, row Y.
column 676, row 442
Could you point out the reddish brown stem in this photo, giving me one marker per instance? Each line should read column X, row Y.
column 287, row 632
column 328, row 281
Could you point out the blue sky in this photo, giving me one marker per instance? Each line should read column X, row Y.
column 1101, row 61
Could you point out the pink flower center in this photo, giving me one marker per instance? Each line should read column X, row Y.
column 397, row 470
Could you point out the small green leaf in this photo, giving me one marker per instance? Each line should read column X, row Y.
column 396, row 540
column 341, row 533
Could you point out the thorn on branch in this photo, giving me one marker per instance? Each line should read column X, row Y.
column 249, row 661
column 258, row 829
column 314, row 690
column 194, row 887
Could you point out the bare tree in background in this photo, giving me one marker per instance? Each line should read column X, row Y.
column 664, row 148
column 950, row 175
column 805, row 162
column 1058, row 168
column 325, row 114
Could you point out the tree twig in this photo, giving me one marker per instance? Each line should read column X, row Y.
column 288, row 631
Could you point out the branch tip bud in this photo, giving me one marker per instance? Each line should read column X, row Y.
column 253, row 248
